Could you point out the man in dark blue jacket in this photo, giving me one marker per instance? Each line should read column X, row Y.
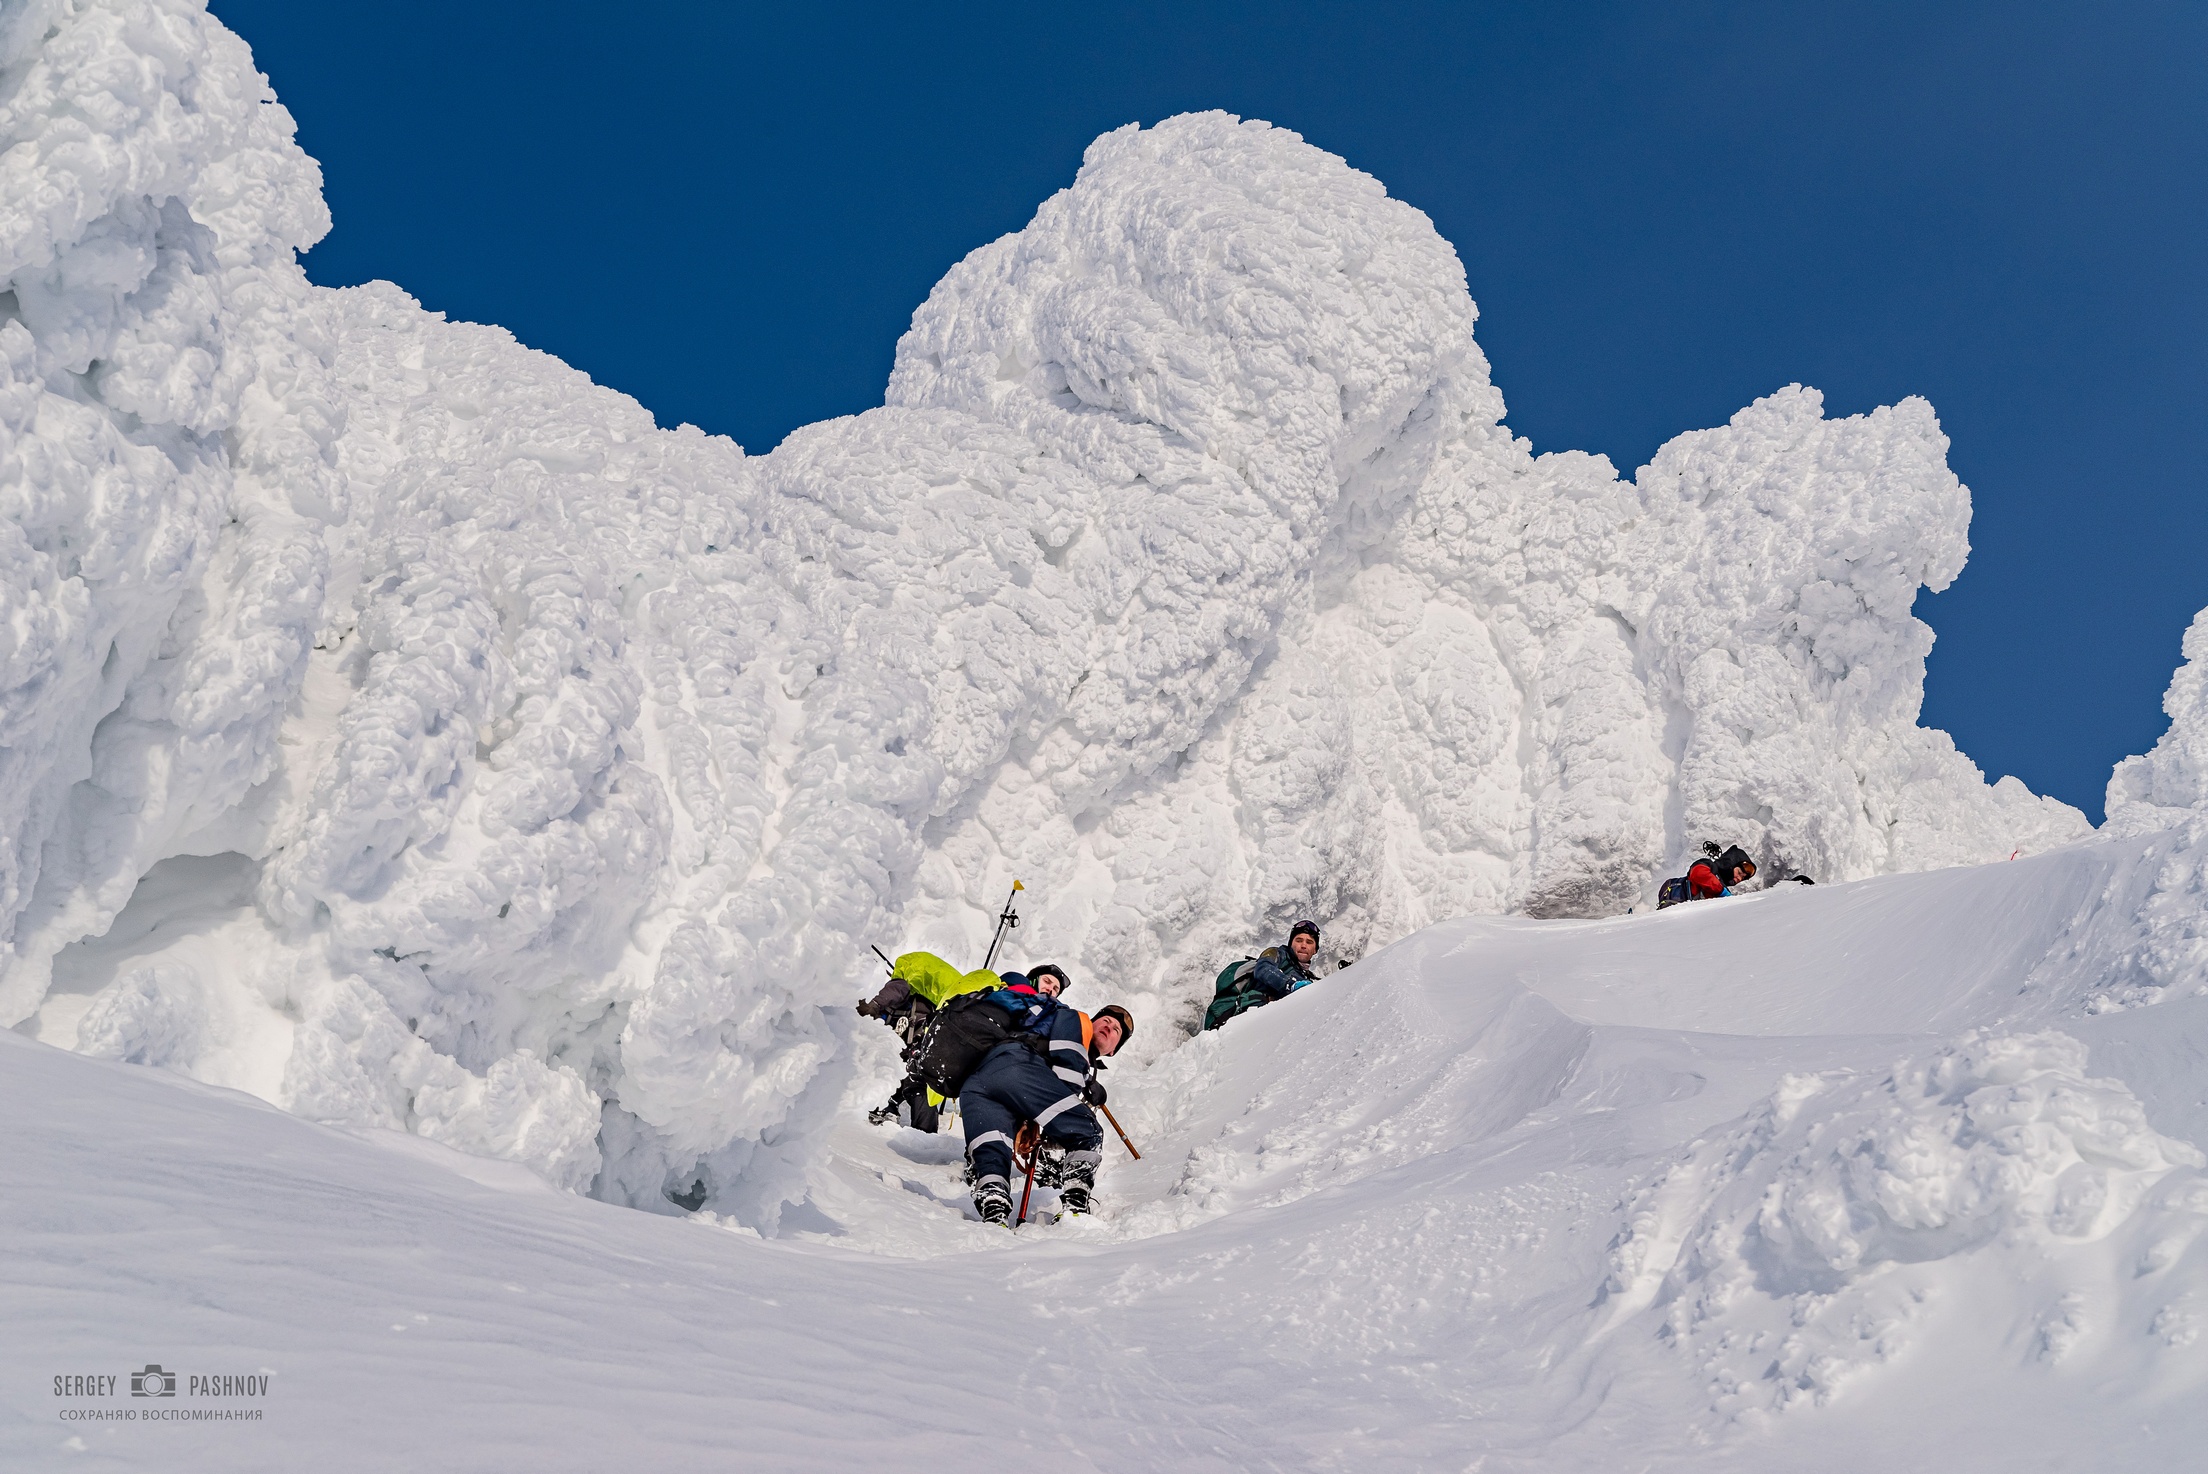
column 1266, row 978
column 1048, row 1077
column 1280, row 971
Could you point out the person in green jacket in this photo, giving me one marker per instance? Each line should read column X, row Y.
column 919, row 984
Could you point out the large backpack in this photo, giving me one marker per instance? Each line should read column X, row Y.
column 966, row 1028
column 1232, row 994
column 1673, row 892
column 1234, row 1005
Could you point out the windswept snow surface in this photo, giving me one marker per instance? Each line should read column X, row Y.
column 1822, row 1179
column 401, row 728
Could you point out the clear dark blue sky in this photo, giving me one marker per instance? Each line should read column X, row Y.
column 1665, row 211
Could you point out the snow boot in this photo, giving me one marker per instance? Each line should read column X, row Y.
column 993, row 1201
column 887, row 1111
column 1050, row 1167
column 1077, row 1181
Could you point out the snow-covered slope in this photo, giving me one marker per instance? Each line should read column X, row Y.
column 1823, row 1179
column 402, row 728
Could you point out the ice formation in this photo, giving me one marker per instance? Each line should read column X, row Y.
column 2169, row 784
column 480, row 759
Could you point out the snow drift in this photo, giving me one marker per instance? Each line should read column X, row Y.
column 1795, row 1252
column 405, row 729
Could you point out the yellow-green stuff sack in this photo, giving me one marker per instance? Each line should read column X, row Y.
column 935, row 980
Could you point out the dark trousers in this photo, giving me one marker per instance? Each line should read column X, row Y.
column 1013, row 1085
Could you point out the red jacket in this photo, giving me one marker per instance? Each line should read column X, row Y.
column 1702, row 882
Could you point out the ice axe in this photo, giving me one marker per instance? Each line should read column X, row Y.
column 1008, row 917
column 1026, row 1142
column 1123, row 1141
column 878, row 952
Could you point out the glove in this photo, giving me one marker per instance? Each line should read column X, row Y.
column 864, row 1007
column 1093, row 1092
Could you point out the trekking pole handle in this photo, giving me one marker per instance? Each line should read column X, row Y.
column 1008, row 917
column 1123, row 1141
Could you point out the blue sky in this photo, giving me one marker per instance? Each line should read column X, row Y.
column 1665, row 211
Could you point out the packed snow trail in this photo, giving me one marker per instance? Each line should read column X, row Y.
column 1547, row 1194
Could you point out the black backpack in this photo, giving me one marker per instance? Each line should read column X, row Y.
column 965, row 1029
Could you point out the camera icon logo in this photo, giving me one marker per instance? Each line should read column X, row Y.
column 153, row 1382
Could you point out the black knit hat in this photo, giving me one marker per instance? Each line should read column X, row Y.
column 1125, row 1019
column 1303, row 928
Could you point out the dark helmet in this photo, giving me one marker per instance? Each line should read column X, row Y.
column 1734, row 858
column 1035, row 974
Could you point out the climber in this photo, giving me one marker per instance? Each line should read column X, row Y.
column 1266, row 978
column 1050, row 1080
column 1041, row 980
column 1708, row 878
column 920, row 983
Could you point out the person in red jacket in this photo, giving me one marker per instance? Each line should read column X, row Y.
column 1708, row 879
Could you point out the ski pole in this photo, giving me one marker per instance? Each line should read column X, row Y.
column 885, row 959
column 1123, row 1141
column 1009, row 917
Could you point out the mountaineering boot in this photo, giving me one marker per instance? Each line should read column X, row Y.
column 993, row 1201
column 1077, row 1181
column 887, row 1111
column 1050, row 1167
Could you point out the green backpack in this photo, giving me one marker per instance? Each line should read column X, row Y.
column 1230, row 995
